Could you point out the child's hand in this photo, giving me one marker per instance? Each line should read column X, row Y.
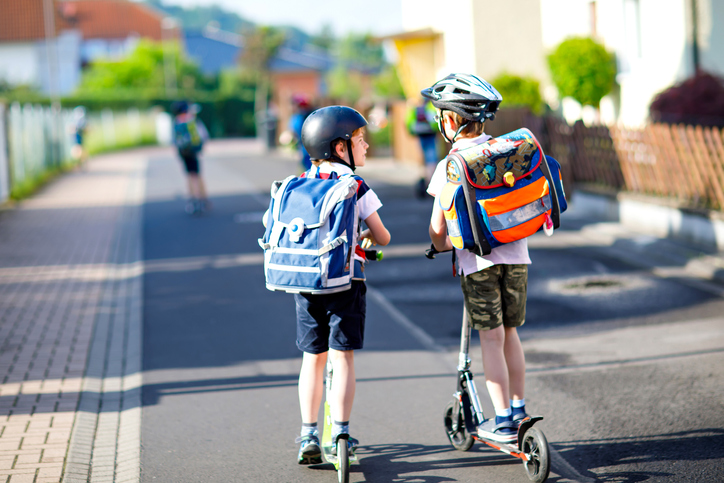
column 367, row 239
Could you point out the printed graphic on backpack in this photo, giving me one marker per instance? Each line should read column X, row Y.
column 501, row 191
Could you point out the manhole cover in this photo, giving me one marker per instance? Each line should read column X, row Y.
column 592, row 284
column 598, row 284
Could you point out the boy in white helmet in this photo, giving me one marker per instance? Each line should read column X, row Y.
column 494, row 286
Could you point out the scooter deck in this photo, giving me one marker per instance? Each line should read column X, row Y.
column 327, row 443
column 512, row 448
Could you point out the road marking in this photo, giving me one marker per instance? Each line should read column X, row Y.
column 415, row 331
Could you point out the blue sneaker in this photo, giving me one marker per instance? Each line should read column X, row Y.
column 310, row 453
column 506, row 432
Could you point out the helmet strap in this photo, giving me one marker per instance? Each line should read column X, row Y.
column 442, row 128
column 463, row 126
column 349, row 164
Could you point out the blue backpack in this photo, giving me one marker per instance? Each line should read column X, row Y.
column 311, row 234
column 187, row 138
column 501, row 191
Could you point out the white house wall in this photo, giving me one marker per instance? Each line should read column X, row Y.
column 508, row 39
column 19, row 63
column 453, row 19
column 711, row 35
column 483, row 37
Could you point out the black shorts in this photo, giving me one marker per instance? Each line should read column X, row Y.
column 191, row 162
column 332, row 321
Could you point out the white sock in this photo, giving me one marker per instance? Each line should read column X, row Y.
column 504, row 413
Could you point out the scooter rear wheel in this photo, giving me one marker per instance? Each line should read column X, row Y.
column 535, row 446
column 342, row 461
column 459, row 438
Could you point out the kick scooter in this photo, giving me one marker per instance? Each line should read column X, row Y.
column 465, row 413
column 344, row 457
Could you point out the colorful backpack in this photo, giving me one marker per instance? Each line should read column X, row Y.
column 186, row 136
column 311, row 234
column 501, row 191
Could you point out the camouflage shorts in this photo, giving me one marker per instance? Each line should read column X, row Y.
column 496, row 295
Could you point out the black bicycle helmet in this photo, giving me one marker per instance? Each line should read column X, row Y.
column 179, row 107
column 326, row 125
column 467, row 94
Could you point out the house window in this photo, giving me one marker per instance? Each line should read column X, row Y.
column 631, row 49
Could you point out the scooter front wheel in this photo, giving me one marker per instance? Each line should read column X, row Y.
column 535, row 446
column 342, row 461
column 457, row 434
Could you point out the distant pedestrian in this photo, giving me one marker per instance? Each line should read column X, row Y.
column 80, row 125
column 302, row 109
column 421, row 123
column 189, row 134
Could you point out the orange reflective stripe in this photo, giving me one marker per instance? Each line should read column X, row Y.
column 516, row 199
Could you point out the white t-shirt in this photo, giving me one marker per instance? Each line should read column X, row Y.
column 367, row 200
column 509, row 254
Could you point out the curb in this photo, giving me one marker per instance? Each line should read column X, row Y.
column 700, row 228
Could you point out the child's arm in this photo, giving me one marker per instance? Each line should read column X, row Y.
column 376, row 232
column 438, row 228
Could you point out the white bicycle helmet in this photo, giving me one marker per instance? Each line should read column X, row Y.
column 467, row 94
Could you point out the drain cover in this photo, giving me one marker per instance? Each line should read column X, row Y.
column 597, row 284
column 593, row 284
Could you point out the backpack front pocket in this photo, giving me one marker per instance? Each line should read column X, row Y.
column 517, row 214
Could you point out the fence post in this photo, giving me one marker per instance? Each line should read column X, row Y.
column 4, row 165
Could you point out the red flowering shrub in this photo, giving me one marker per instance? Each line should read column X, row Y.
column 697, row 100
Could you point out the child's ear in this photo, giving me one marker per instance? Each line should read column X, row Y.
column 340, row 148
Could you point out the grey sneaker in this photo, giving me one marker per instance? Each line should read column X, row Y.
column 310, row 453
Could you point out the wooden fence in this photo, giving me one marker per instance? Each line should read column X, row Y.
column 676, row 162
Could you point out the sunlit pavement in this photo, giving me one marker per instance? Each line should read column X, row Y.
column 72, row 311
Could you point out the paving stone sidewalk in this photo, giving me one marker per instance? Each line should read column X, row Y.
column 70, row 327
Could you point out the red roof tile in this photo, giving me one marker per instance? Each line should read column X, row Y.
column 111, row 19
column 21, row 21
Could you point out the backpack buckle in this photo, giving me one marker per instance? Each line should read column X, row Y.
column 296, row 228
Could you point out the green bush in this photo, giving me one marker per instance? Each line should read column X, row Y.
column 582, row 69
column 224, row 115
column 519, row 91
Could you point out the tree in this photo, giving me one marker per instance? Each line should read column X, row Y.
column 357, row 55
column 519, row 91
column 583, row 69
column 261, row 44
column 142, row 70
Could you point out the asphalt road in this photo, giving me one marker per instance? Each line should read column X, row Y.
column 625, row 352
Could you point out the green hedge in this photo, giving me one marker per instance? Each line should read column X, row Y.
column 224, row 115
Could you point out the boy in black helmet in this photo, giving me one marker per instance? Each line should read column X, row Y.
column 334, row 323
column 495, row 286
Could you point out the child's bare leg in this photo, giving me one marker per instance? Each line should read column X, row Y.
column 492, row 343
column 515, row 360
column 311, row 385
column 201, row 187
column 343, row 387
column 192, row 182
